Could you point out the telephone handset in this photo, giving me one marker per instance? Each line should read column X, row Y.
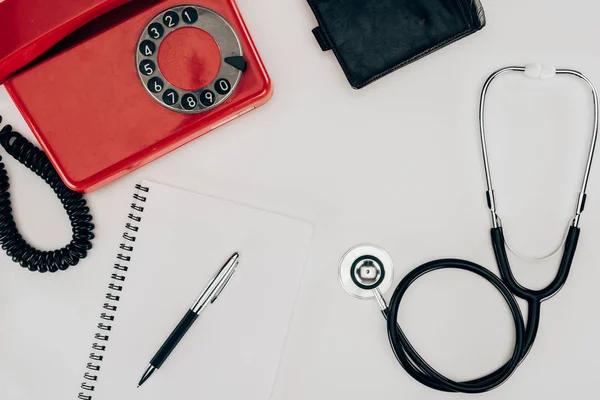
column 107, row 86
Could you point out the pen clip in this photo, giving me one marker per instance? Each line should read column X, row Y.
column 219, row 289
column 217, row 284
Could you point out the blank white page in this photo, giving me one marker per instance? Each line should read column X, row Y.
column 233, row 349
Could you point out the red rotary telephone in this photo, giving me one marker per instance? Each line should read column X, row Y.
column 110, row 85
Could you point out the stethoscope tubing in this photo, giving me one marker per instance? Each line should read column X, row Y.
column 422, row 371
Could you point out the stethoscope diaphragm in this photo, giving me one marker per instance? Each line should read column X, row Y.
column 365, row 268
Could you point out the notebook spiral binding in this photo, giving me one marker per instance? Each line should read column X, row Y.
column 115, row 288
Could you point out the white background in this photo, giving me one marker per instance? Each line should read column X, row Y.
column 396, row 164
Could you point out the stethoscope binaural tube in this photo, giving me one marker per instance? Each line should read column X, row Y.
column 539, row 72
column 534, row 298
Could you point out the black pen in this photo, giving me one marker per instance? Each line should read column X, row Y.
column 211, row 292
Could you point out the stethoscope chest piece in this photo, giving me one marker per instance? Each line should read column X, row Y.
column 365, row 268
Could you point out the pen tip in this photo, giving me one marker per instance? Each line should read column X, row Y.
column 147, row 374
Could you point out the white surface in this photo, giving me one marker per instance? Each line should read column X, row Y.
column 397, row 164
column 240, row 337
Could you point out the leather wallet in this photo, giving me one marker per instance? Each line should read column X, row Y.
column 372, row 38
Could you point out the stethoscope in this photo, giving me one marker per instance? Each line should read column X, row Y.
column 367, row 271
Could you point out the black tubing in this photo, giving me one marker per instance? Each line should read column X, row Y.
column 525, row 335
column 519, row 290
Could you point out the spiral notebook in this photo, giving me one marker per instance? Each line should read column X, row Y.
column 172, row 244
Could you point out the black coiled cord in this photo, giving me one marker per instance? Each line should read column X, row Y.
column 508, row 286
column 74, row 203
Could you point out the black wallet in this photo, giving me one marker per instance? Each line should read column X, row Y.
column 372, row 38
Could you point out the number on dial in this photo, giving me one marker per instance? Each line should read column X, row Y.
column 156, row 30
column 155, row 85
column 171, row 19
column 189, row 102
column 207, row 98
column 147, row 67
column 190, row 15
column 170, row 97
column 222, row 86
column 147, row 48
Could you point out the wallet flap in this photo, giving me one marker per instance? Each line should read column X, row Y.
column 372, row 38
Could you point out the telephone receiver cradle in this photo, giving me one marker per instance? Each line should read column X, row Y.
column 107, row 86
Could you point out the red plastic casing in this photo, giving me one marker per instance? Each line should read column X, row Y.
column 94, row 119
column 28, row 28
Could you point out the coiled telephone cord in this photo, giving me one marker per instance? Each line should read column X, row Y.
column 74, row 204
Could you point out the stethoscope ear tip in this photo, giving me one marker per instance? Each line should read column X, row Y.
column 364, row 268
